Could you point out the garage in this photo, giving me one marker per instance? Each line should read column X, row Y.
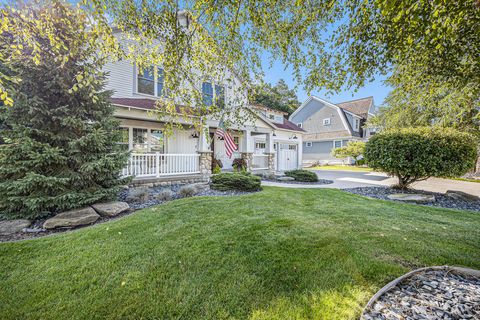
column 287, row 156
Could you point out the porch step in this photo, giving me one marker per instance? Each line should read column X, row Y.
column 167, row 180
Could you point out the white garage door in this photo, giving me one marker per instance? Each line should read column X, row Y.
column 287, row 156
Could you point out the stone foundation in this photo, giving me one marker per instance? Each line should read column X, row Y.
column 167, row 181
column 248, row 157
column 271, row 162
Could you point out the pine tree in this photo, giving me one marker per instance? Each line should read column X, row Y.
column 59, row 149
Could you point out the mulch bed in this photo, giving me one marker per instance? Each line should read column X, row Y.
column 441, row 200
column 431, row 294
column 320, row 181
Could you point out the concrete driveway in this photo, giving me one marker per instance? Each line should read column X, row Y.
column 353, row 179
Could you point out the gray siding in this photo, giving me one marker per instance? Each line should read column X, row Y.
column 311, row 116
column 320, row 150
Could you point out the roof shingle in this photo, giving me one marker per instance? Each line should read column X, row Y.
column 359, row 107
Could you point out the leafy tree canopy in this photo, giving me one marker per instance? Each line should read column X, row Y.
column 279, row 97
column 353, row 149
column 328, row 44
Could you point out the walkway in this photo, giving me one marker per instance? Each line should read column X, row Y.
column 352, row 179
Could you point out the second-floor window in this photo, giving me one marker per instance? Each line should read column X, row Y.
column 151, row 81
column 356, row 126
column 213, row 93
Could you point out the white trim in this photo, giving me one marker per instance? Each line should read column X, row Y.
column 339, row 110
column 341, row 143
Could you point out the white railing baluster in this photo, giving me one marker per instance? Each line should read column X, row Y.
column 159, row 164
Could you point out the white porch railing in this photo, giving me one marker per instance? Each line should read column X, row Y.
column 160, row 164
column 260, row 162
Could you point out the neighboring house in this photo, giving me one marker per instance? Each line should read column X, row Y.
column 330, row 126
column 267, row 141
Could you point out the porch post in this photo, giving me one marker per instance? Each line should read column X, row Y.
column 203, row 144
column 205, row 159
column 130, row 138
column 248, row 148
column 270, row 151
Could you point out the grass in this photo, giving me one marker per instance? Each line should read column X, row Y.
column 277, row 254
column 467, row 180
column 342, row 168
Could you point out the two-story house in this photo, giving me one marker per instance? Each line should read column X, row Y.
column 328, row 126
column 266, row 140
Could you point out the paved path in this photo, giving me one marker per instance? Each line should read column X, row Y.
column 353, row 179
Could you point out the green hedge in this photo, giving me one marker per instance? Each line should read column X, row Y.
column 414, row 154
column 236, row 181
column 302, row 175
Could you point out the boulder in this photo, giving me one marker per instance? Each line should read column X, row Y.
column 460, row 195
column 72, row 218
column 8, row 227
column 285, row 178
column 110, row 209
column 412, row 197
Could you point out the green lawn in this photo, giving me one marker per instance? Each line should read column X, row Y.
column 278, row 254
column 342, row 168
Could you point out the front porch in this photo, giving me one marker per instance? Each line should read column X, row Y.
column 156, row 157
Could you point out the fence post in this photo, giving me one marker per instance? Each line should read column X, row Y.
column 157, row 163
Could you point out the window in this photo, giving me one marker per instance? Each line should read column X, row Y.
column 326, row 122
column 271, row 116
column 151, row 81
column 279, row 119
column 292, row 147
column 140, row 139
column 260, row 145
column 299, row 125
column 211, row 92
column 337, row 143
column 157, row 142
column 146, row 81
column 356, row 124
column 309, row 144
column 123, row 138
column 220, row 96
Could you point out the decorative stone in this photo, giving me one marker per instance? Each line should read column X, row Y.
column 460, row 195
column 110, row 209
column 72, row 218
column 200, row 186
column 412, row 197
column 8, row 227
column 285, row 178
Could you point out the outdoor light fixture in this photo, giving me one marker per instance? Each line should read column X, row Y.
column 195, row 135
column 294, row 137
column 274, row 134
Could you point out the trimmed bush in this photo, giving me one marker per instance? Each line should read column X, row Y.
column 302, row 175
column 165, row 195
column 236, row 181
column 415, row 154
column 239, row 164
column 353, row 149
column 187, row 191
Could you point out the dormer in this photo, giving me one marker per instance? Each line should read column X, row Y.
column 272, row 115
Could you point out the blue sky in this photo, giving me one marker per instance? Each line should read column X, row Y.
column 376, row 88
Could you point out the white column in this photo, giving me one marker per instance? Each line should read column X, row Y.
column 248, row 142
column 269, row 143
column 203, row 144
column 130, row 138
column 300, row 151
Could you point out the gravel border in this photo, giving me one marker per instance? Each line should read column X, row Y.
column 467, row 275
column 441, row 199
column 320, row 181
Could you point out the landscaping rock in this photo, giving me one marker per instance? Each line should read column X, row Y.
column 72, row 218
column 459, row 195
column 110, row 209
column 200, row 186
column 8, row 227
column 412, row 197
column 285, row 178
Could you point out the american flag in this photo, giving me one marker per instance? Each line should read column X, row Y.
column 230, row 145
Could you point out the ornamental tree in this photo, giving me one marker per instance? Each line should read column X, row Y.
column 59, row 149
column 416, row 154
column 353, row 149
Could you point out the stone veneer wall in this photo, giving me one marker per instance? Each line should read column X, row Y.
column 271, row 162
column 248, row 157
column 206, row 163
